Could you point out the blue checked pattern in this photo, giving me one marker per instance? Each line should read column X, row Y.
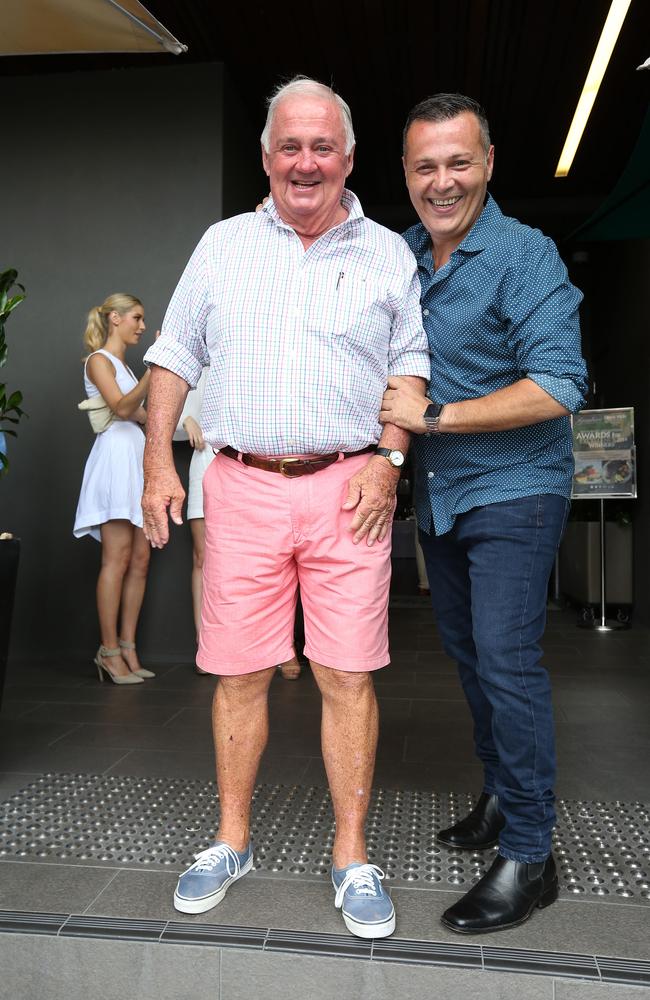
column 299, row 343
column 501, row 309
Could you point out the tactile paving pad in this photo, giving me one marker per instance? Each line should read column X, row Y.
column 602, row 848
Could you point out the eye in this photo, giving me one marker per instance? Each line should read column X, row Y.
column 323, row 149
column 461, row 164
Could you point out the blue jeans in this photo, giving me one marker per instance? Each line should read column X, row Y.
column 489, row 580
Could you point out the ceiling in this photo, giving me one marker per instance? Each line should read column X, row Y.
column 524, row 60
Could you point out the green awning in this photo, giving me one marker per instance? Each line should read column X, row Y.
column 625, row 213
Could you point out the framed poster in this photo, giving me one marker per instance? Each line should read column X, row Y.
column 604, row 453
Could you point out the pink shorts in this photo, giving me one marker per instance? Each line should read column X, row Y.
column 264, row 535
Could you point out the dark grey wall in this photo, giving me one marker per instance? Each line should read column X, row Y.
column 619, row 305
column 113, row 178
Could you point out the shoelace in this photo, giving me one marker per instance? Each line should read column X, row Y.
column 207, row 860
column 362, row 880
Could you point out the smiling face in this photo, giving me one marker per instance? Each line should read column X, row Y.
column 307, row 163
column 129, row 326
column 447, row 172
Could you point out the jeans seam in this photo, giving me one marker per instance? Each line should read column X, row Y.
column 538, row 525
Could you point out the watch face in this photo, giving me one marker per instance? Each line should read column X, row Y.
column 396, row 458
column 432, row 411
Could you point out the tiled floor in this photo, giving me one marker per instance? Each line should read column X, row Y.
column 57, row 718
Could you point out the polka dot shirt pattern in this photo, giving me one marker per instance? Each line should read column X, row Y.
column 500, row 310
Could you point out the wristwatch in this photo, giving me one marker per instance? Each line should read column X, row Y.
column 396, row 458
column 432, row 417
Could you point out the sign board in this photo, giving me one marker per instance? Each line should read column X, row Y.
column 604, row 453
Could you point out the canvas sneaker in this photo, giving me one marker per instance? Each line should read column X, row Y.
column 367, row 909
column 206, row 882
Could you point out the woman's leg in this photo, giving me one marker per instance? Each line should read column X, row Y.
column 135, row 581
column 117, row 542
column 197, row 527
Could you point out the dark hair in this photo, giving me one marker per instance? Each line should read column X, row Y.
column 443, row 107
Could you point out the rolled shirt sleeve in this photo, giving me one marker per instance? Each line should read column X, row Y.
column 544, row 328
column 409, row 347
column 181, row 347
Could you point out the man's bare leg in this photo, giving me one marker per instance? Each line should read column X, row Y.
column 240, row 724
column 349, row 740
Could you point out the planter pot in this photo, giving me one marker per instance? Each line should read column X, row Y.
column 9, row 554
column 580, row 563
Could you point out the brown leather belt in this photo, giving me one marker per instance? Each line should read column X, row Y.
column 291, row 467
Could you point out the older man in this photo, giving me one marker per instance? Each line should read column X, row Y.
column 302, row 311
column 494, row 447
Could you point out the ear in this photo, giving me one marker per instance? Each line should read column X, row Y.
column 348, row 169
column 404, row 166
column 490, row 162
column 265, row 162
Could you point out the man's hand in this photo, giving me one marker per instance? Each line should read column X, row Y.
column 162, row 492
column 372, row 492
column 404, row 404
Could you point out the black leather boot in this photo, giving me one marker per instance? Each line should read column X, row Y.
column 505, row 896
column 478, row 830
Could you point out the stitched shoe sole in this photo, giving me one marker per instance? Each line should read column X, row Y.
column 380, row 930
column 205, row 903
column 546, row 899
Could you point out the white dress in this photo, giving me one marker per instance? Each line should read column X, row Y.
column 200, row 459
column 113, row 477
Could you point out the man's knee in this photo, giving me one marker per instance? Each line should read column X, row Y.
column 342, row 684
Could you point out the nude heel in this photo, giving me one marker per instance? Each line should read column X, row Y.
column 102, row 669
column 142, row 672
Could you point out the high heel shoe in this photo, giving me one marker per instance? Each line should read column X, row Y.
column 102, row 652
column 142, row 671
column 290, row 671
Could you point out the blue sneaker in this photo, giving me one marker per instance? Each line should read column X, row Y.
column 206, row 882
column 367, row 910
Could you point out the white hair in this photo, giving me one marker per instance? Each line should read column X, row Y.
column 303, row 86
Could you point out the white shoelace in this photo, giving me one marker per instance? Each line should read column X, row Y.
column 207, row 860
column 362, row 880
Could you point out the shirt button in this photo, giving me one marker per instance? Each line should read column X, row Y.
column 430, row 475
column 425, row 312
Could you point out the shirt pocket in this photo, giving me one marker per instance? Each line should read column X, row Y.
column 353, row 306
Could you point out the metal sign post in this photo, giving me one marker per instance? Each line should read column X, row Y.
column 605, row 468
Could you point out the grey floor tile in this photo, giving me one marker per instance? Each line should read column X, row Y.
column 164, row 764
column 93, row 760
column 18, row 709
column 291, row 903
column 138, row 737
column 265, row 976
column 60, row 968
column 55, row 888
column 567, row 990
column 13, row 781
column 137, row 714
column 581, row 927
column 23, row 732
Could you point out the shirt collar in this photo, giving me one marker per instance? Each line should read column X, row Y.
column 349, row 201
column 483, row 232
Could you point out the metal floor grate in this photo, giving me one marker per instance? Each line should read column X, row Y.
column 602, row 848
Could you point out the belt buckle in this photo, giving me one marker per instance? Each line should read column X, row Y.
column 288, row 461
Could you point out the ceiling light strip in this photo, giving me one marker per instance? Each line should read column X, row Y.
column 599, row 63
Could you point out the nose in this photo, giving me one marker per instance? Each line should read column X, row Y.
column 442, row 179
column 306, row 161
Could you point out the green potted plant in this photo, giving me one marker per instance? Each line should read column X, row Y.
column 10, row 413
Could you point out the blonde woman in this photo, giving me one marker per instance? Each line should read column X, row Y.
column 109, row 504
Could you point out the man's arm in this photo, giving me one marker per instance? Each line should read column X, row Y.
column 162, row 487
column 517, row 405
column 372, row 491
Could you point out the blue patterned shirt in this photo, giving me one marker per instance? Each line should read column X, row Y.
column 300, row 342
column 500, row 310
